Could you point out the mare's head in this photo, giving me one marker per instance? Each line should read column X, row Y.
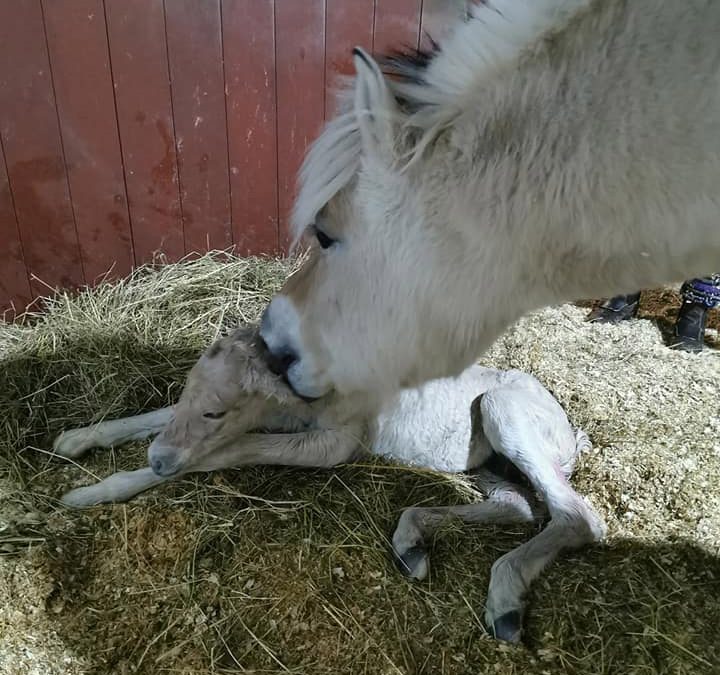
column 422, row 200
column 355, row 316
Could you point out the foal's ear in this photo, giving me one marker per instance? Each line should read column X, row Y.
column 375, row 106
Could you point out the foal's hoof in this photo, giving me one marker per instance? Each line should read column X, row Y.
column 414, row 563
column 77, row 499
column 74, row 443
column 81, row 498
column 508, row 627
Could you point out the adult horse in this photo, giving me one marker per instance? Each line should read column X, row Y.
column 548, row 150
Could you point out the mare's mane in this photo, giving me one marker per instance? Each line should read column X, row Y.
column 431, row 88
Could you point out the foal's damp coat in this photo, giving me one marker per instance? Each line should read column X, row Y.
column 502, row 426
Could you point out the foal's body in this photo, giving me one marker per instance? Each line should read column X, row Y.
column 486, row 421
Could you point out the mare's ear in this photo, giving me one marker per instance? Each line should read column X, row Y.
column 375, row 106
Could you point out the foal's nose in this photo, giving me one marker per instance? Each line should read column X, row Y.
column 158, row 466
column 163, row 465
column 164, row 459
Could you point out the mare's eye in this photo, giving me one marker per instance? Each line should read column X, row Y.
column 323, row 239
column 214, row 415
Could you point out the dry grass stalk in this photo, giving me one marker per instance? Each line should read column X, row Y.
column 277, row 570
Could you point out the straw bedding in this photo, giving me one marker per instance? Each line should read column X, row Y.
column 272, row 570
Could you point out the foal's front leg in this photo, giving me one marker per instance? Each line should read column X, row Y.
column 311, row 449
column 74, row 443
column 319, row 448
column 117, row 488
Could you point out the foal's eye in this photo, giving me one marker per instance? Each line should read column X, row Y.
column 214, row 415
column 323, row 239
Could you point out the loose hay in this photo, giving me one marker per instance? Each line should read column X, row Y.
column 271, row 570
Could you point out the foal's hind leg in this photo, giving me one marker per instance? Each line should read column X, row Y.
column 573, row 522
column 505, row 503
column 76, row 442
column 512, row 574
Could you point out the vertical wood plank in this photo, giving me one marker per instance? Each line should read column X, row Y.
column 14, row 285
column 397, row 25
column 347, row 25
column 198, row 95
column 438, row 17
column 300, row 40
column 138, row 55
column 77, row 43
column 249, row 53
column 33, row 149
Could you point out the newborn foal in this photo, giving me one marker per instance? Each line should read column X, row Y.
column 503, row 426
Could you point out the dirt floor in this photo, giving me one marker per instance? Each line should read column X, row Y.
column 273, row 570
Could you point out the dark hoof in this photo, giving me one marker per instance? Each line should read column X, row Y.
column 413, row 563
column 508, row 627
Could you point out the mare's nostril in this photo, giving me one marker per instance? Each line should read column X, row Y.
column 157, row 466
column 279, row 363
column 278, row 359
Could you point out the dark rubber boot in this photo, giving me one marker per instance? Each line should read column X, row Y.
column 617, row 309
column 690, row 327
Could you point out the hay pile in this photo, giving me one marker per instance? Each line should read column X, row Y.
column 272, row 570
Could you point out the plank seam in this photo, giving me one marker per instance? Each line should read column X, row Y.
column 277, row 130
column 372, row 36
column 62, row 143
column 325, row 59
column 120, row 142
column 227, row 124
column 17, row 222
column 174, row 135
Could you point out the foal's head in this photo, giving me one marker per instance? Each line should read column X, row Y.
column 229, row 392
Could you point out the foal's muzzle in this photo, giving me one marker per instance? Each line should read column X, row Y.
column 164, row 460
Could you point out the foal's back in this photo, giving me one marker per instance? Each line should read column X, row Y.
column 440, row 425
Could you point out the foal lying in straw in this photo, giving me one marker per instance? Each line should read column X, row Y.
column 503, row 426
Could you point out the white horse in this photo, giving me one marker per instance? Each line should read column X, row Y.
column 547, row 150
column 503, row 426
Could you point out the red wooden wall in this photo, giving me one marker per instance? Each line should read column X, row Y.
column 129, row 127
